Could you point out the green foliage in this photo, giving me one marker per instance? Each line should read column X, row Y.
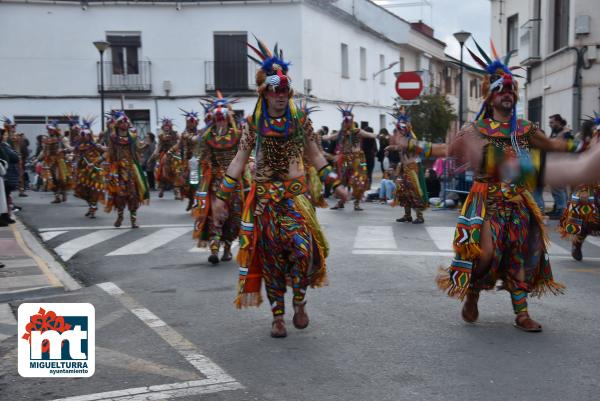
column 431, row 118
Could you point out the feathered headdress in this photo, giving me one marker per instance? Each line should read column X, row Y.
column 273, row 69
column 306, row 109
column 52, row 126
column 498, row 76
column 403, row 121
column 72, row 120
column 218, row 107
column 86, row 125
column 8, row 122
column 115, row 116
column 166, row 120
column 190, row 115
column 346, row 111
column 595, row 120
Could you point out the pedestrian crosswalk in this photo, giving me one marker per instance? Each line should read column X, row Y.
column 148, row 240
column 68, row 242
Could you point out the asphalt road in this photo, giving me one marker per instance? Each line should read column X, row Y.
column 380, row 331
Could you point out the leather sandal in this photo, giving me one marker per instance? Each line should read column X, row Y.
column 404, row 219
column 470, row 311
column 525, row 323
column 278, row 329
column 419, row 220
column 300, row 319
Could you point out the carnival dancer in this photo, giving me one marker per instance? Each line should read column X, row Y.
column 500, row 234
column 280, row 237
column 168, row 158
column 185, row 148
column 89, row 171
column 219, row 145
column 411, row 192
column 315, row 186
column 56, row 171
column 582, row 215
column 350, row 158
column 126, row 184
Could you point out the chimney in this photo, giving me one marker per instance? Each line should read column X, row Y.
column 423, row 28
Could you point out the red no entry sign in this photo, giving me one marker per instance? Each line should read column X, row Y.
column 409, row 85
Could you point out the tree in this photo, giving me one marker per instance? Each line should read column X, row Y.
column 431, row 118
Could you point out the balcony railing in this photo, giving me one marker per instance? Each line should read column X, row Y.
column 529, row 51
column 134, row 78
column 230, row 76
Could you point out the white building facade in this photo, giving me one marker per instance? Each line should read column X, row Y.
column 165, row 55
column 557, row 42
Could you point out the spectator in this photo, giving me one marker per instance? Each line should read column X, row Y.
column 369, row 146
column 148, row 162
column 4, row 216
column 433, row 184
column 384, row 142
column 387, row 187
column 11, row 178
column 559, row 131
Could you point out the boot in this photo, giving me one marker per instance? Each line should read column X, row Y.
column 133, row 217
column 278, row 328
column 227, row 255
column 56, row 199
column 119, row 220
column 339, row 205
column 357, row 205
column 300, row 319
column 576, row 251
column 214, row 252
column 64, row 196
column 407, row 218
column 419, row 219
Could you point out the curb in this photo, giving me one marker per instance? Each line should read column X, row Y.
column 46, row 262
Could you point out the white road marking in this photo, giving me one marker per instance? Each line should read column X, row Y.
column 375, row 237
column 6, row 315
column 190, row 225
column 184, row 347
column 150, row 242
column 34, row 280
column 556, row 249
column 161, row 391
column 70, row 248
column 400, row 253
column 48, row 235
column 593, row 240
column 442, row 237
column 196, row 249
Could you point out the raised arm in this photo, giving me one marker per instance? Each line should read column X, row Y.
column 364, row 134
column 541, row 141
column 236, row 168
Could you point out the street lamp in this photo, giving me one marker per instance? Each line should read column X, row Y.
column 101, row 46
column 461, row 37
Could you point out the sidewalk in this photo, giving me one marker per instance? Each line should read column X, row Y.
column 29, row 271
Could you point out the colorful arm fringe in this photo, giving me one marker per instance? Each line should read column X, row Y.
column 329, row 178
column 228, row 187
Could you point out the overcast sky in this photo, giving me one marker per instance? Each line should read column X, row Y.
column 449, row 16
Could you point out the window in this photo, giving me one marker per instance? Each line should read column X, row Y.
column 561, row 24
column 448, row 81
column 345, row 71
column 124, row 53
column 363, row 63
column 512, row 33
column 534, row 110
column 382, row 121
column 474, row 88
column 401, row 64
column 231, row 65
column 382, row 67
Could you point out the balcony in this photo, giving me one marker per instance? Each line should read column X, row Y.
column 230, row 77
column 130, row 78
column 529, row 49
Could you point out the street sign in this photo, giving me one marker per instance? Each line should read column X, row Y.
column 407, row 102
column 409, row 85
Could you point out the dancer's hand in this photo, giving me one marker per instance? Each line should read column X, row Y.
column 220, row 210
column 342, row 194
